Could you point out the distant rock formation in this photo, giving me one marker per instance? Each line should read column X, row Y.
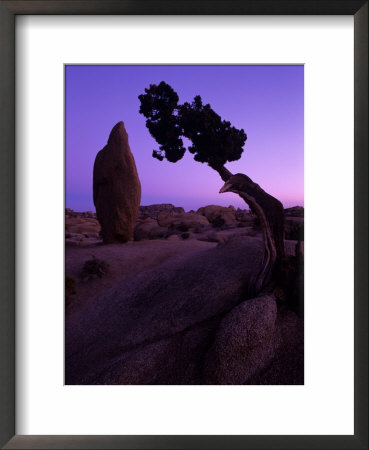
column 295, row 211
column 218, row 215
column 116, row 188
column 149, row 229
column 87, row 227
column 87, row 214
column 81, row 229
column 152, row 211
column 244, row 215
column 294, row 223
column 182, row 221
column 212, row 223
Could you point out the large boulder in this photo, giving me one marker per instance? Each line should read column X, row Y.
column 86, row 227
column 71, row 221
column 219, row 215
column 287, row 365
column 81, row 230
column 158, row 327
column 244, row 342
column 116, row 188
column 257, row 343
column 148, row 229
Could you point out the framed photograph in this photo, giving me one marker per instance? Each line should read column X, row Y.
column 184, row 224
column 223, row 251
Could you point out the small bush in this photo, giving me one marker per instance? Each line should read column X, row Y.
column 295, row 232
column 183, row 227
column 218, row 222
column 94, row 268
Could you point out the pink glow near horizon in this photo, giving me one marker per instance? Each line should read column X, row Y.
column 266, row 101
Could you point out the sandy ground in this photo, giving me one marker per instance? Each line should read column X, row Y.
column 125, row 261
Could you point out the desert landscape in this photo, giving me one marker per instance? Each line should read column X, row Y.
column 173, row 301
column 184, row 262
column 166, row 333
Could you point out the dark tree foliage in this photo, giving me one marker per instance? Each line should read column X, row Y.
column 159, row 105
column 214, row 141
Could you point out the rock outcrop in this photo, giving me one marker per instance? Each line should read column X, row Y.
column 218, row 216
column 295, row 211
column 287, row 365
column 149, row 229
column 158, row 328
column 294, row 223
column 244, row 216
column 152, row 211
column 116, row 188
column 184, row 316
column 244, row 342
column 181, row 221
column 294, row 228
column 87, row 227
column 69, row 213
column 81, row 229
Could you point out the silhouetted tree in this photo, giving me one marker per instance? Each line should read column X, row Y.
column 215, row 142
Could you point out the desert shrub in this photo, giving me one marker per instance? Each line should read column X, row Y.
column 199, row 228
column 218, row 222
column 94, row 268
column 295, row 231
column 171, row 232
column 183, row 227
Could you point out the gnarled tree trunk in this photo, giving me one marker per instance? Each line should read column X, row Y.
column 270, row 212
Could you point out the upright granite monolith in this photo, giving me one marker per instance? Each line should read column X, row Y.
column 116, row 188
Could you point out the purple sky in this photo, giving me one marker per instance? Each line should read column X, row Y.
column 266, row 101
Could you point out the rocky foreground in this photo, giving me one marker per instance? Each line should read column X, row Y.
column 172, row 306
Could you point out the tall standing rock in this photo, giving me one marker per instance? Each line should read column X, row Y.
column 116, row 188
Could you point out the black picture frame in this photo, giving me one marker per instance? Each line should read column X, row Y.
column 8, row 12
